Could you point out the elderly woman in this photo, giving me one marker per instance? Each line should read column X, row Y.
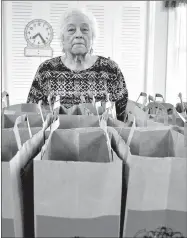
column 78, row 71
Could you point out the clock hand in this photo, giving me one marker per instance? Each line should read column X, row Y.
column 35, row 36
column 42, row 38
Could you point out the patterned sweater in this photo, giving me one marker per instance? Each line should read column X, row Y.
column 103, row 77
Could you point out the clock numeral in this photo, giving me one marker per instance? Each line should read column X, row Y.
column 31, row 28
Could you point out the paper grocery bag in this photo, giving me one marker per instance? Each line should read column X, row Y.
column 18, row 148
column 156, row 142
column 73, row 110
column 35, row 111
column 77, row 189
column 9, row 146
column 154, row 164
column 156, row 198
column 83, row 121
column 152, row 106
column 172, row 119
column 77, row 121
column 94, row 108
column 142, row 117
column 13, row 218
column 8, row 120
column 25, row 108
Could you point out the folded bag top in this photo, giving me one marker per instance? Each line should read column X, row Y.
column 81, row 144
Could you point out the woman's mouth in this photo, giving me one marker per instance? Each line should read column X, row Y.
column 78, row 43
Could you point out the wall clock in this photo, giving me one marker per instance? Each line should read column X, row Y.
column 38, row 34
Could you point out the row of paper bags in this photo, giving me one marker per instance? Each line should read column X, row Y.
column 87, row 182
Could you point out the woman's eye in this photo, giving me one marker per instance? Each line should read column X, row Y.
column 71, row 30
column 85, row 29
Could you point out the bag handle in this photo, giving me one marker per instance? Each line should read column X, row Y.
column 159, row 106
column 83, row 102
column 6, row 95
column 109, row 107
column 52, row 127
column 133, row 127
column 185, row 134
column 93, row 100
column 151, row 99
column 82, row 98
column 131, row 133
column 182, row 103
column 185, row 129
column 19, row 120
column 103, row 126
column 97, row 105
column 108, row 102
column 49, row 98
column 164, row 110
column 40, row 109
column 57, row 105
column 48, row 122
column 158, row 95
column 143, row 94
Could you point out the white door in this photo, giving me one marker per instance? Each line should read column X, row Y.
column 102, row 11
column 19, row 70
column 129, row 39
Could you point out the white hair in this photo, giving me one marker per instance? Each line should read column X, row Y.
column 70, row 12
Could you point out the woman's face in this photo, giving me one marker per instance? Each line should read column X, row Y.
column 77, row 34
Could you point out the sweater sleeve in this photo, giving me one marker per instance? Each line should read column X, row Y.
column 36, row 92
column 122, row 96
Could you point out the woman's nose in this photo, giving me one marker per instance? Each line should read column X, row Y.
column 78, row 33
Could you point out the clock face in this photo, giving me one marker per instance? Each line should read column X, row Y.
column 38, row 33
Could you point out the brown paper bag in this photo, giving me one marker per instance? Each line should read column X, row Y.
column 84, row 109
column 76, row 121
column 25, row 108
column 13, row 202
column 9, row 143
column 77, row 189
column 94, row 108
column 142, row 117
column 20, row 109
column 159, row 142
column 175, row 118
column 160, row 118
column 83, row 121
column 8, row 120
column 156, row 198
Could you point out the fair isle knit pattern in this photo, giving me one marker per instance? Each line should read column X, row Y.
column 103, row 77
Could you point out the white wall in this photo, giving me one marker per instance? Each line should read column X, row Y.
column 160, row 49
column 122, row 37
column 153, row 76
